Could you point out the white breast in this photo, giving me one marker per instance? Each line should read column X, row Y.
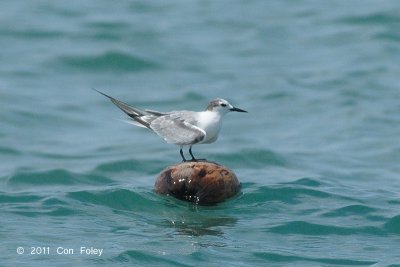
column 210, row 122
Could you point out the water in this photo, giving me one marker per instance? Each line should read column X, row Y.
column 318, row 153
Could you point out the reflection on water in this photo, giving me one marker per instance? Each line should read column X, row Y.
column 202, row 226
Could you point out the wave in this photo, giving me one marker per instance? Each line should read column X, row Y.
column 55, row 177
column 309, row 182
column 284, row 258
column 149, row 257
column 289, row 193
column 350, row 210
column 387, row 20
column 31, row 34
column 117, row 199
column 107, row 25
column 142, row 166
column 393, row 225
column 307, row 228
column 383, row 18
column 253, row 158
column 33, row 205
column 53, row 212
column 18, row 198
column 113, row 61
column 9, row 151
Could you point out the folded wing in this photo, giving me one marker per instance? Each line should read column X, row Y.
column 175, row 130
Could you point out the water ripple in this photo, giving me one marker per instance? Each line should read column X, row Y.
column 384, row 18
column 350, row 210
column 393, row 225
column 31, row 34
column 9, row 151
column 117, row 199
column 149, row 258
column 55, row 177
column 306, row 228
column 253, row 158
column 275, row 257
column 111, row 61
column 142, row 166
column 289, row 195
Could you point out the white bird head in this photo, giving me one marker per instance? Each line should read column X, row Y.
column 222, row 106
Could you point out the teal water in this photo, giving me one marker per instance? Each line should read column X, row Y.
column 318, row 153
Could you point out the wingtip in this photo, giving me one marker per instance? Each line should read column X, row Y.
column 94, row 89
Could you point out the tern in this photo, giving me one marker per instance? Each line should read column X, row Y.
column 182, row 128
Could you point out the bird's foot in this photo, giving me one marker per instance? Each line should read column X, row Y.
column 197, row 160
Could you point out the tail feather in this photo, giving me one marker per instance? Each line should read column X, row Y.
column 132, row 112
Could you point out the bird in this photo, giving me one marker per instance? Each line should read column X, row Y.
column 183, row 127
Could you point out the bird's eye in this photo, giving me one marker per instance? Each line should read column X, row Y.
column 223, row 105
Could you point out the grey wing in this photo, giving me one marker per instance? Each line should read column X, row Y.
column 175, row 130
column 154, row 112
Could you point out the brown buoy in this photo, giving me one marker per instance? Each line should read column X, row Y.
column 201, row 182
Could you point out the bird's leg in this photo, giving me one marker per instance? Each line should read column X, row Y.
column 183, row 157
column 191, row 154
column 193, row 158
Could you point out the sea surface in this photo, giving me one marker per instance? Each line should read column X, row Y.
column 318, row 154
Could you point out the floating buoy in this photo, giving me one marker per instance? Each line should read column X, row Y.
column 200, row 182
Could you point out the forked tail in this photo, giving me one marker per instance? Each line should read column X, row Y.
column 135, row 113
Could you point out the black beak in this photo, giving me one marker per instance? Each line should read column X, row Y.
column 237, row 109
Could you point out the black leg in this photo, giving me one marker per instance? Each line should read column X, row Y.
column 183, row 157
column 191, row 154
